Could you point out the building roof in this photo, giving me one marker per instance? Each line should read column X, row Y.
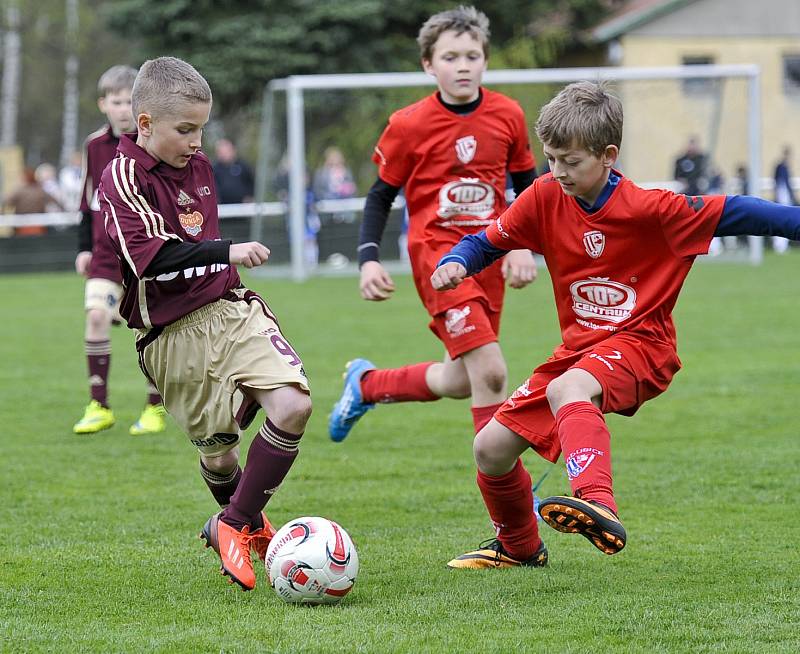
column 634, row 14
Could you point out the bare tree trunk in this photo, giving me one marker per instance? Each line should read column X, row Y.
column 69, row 140
column 9, row 94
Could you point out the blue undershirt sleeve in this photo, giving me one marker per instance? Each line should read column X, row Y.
column 746, row 215
column 474, row 252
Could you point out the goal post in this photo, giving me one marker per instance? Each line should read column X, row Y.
column 296, row 87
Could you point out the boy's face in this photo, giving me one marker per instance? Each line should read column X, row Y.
column 457, row 64
column 175, row 137
column 116, row 105
column 581, row 173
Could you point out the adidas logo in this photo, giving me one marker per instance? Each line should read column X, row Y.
column 184, row 198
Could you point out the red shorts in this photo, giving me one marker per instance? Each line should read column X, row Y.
column 465, row 327
column 630, row 371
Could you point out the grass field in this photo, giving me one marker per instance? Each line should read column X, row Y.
column 99, row 551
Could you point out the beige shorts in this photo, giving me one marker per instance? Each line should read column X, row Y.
column 201, row 362
column 104, row 295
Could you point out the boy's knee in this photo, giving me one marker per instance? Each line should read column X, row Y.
column 97, row 319
column 490, row 459
column 494, row 377
column 222, row 464
column 294, row 414
column 556, row 391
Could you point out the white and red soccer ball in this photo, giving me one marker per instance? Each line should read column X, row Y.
column 312, row 560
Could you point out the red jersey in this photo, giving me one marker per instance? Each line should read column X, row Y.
column 453, row 168
column 146, row 203
column 620, row 268
column 100, row 148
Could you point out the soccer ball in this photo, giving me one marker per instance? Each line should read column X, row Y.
column 312, row 561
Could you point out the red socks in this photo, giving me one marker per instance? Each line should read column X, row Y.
column 406, row 384
column 509, row 499
column 586, row 444
column 481, row 415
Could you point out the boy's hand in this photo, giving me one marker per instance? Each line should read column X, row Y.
column 519, row 268
column 82, row 262
column 448, row 276
column 376, row 284
column 248, row 254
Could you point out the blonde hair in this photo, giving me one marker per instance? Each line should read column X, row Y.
column 583, row 114
column 163, row 84
column 459, row 20
column 116, row 79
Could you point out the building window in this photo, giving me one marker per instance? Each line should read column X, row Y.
column 791, row 74
column 698, row 85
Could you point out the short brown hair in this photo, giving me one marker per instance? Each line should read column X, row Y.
column 584, row 114
column 459, row 20
column 164, row 83
column 116, row 79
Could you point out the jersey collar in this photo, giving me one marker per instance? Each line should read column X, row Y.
column 614, row 178
column 128, row 146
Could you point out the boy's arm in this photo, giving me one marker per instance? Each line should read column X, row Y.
column 522, row 180
column 178, row 255
column 746, row 215
column 376, row 213
column 375, row 284
column 469, row 256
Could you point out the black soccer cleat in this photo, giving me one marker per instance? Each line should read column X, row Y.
column 591, row 520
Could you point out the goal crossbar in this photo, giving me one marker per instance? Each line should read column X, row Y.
column 295, row 86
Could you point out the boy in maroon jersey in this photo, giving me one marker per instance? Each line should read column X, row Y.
column 98, row 263
column 618, row 256
column 450, row 152
column 212, row 347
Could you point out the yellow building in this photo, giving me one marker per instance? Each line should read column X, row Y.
column 660, row 117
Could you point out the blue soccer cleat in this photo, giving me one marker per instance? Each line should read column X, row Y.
column 351, row 405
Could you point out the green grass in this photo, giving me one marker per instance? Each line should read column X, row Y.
column 99, row 550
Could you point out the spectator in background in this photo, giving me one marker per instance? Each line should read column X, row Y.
column 691, row 169
column 30, row 197
column 70, row 179
column 742, row 185
column 234, row 178
column 333, row 180
column 47, row 177
column 784, row 194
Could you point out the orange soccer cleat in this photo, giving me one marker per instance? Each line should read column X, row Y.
column 233, row 548
column 261, row 537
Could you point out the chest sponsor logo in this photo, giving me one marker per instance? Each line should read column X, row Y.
column 466, row 147
column 456, row 322
column 597, row 298
column 192, row 223
column 466, row 197
column 203, row 190
column 184, row 198
column 595, row 243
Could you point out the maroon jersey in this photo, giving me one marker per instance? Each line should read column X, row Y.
column 146, row 203
column 100, row 148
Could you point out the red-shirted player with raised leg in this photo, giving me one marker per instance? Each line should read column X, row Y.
column 618, row 256
column 451, row 152
column 212, row 347
column 98, row 263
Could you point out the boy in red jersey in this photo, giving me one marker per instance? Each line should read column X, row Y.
column 618, row 256
column 98, row 263
column 450, row 152
column 212, row 347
